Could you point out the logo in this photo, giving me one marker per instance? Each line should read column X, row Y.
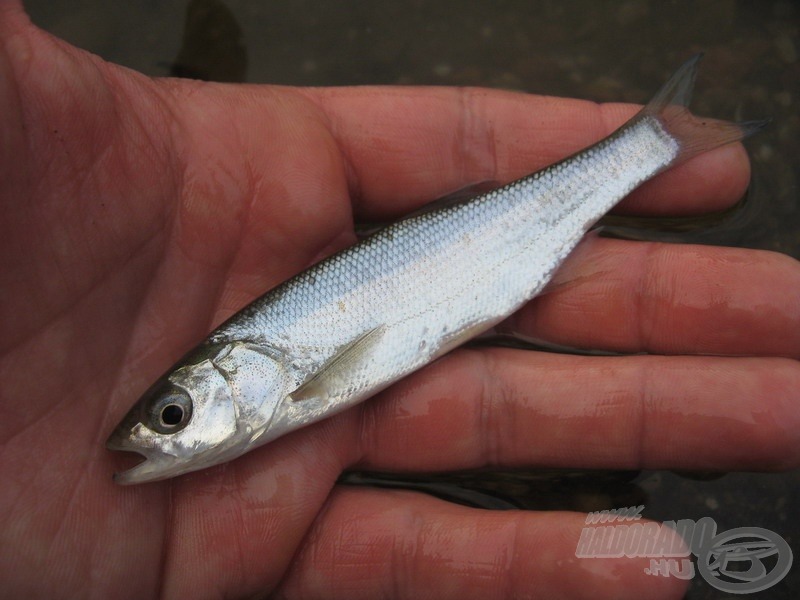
column 738, row 561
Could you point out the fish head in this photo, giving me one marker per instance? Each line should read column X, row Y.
column 205, row 411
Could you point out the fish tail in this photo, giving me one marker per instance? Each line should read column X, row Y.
column 694, row 135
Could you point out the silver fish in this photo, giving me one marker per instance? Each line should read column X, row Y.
column 358, row 321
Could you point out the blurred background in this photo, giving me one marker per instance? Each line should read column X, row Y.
column 597, row 50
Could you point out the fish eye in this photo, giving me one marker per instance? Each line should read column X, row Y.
column 171, row 415
column 170, row 412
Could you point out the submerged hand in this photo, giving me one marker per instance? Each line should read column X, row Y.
column 137, row 214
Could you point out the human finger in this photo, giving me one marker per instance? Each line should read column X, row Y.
column 406, row 146
column 666, row 298
column 512, row 408
column 371, row 543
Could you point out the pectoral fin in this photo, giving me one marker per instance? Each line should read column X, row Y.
column 336, row 376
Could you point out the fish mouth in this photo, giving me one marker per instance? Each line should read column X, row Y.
column 153, row 465
column 137, row 473
column 149, row 469
column 122, row 439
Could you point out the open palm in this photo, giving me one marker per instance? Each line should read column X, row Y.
column 139, row 213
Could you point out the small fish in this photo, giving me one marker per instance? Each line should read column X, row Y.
column 356, row 322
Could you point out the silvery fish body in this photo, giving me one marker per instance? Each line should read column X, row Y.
column 364, row 318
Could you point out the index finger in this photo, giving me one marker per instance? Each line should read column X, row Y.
column 405, row 146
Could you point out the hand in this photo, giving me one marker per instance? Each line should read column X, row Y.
column 139, row 213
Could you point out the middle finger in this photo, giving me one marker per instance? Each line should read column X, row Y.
column 670, row 299
column 513, row 408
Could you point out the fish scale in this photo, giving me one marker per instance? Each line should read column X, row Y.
column 373, row 313
column 456, row 269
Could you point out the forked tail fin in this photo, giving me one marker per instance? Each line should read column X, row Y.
column 694, row 135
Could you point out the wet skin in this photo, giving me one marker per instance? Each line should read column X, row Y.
column 139, row 213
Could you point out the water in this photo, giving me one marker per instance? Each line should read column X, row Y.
column 597, row 50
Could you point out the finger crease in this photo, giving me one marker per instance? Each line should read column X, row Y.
column 509, row 584
column 645, row 385
column 475, row 139
column 486, row 403
column 643, row 307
